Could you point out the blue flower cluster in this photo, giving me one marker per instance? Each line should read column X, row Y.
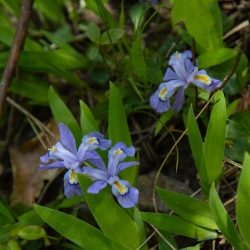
column 64, row 154
column 177, row 79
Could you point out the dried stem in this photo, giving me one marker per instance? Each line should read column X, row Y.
column 17, row 45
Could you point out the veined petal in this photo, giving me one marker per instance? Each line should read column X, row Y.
column 121, row 150
column 67, row 138
column 56, row 164
column 126, row 195
column 71, row 183
column 125, row 165
column 95, row 174
column 96, row 140
column 62, row 153
column 179, row 99
column 97, row 161
column 96, row 187
column 159, row 105
column 204, row 81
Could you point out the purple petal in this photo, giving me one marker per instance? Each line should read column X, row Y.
column 95, row 140
column 159, row 105
column 96, row 187
column 126, row 195
column 45, row 158
column 67, row 138
column 71, row 184
column 97, row 162
column 125, row 165
column 57, row 164
column 63, row 153
column 179, row 99
column 95, row 174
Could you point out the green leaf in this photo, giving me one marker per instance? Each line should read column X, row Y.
column 231, row 107
column 215, row 57
column 88, row 122
column 193, row 13
column 93, row 32
column 216, row 31
column 242, row 202
column 111, row 36
column 31, row 233
column 118, row 130
column 62, row 114
column 238, row 133
column 77, row 231
column 215, row 138
column 224, row 222
column 163, row 119
column 199, row 213
column 137, row 59
column 5, row 212
column 153, row 70
column 163, row 245
column 178, row 225
column 93, row 52
column 140, row 229
column 195, row 141
column 111, row 218
column 196, row 247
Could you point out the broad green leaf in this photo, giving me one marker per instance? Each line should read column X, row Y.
column 31, row 233
column 93, row 52
column 5, row 212
column 88, row 122
column 5, row 233
column 196, row 247
column 111, row 36
column 77, row 231
column 195, row 141
column 93, row 32
column 137, row 59
column 199, row 213
column 238, row 133
column 216, row 31
column 118, row 129
column 224, row 222
column 178, row 225
column 215, row 138
column 13, row 6
column 29, row 218
column 162, row 121
column 215, row 57
column 62, row 114
column 111, row 218
column 193, row 13
column 242, row 202
column 163, row 245
column 140, row 229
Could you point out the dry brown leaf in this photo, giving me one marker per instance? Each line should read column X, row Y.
column 27, row 179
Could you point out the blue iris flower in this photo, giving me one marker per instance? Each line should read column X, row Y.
column 177, row 79
column 64, row 154
column 126, row 195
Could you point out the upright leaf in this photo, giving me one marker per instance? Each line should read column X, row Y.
column 111, row 218
column 215, row 138
column 118, row 129
column 77, row 231
column 62, row 114
column 193, row 13
column 5, row 212
column 140, row 229
column 242, row 202
column 224, row 222
column 137, row 59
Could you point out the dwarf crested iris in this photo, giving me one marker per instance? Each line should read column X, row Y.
column 177, row 79
column 126, row 195
column 65, row 154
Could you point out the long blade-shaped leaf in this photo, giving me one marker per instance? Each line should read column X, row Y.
column 224, row 222
column 199, row 213
column 112, row 219
column 215, row 138
column 242, row 202
column 62, row 114
column 118, row 129
column 178, row 225
column 79, row 232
